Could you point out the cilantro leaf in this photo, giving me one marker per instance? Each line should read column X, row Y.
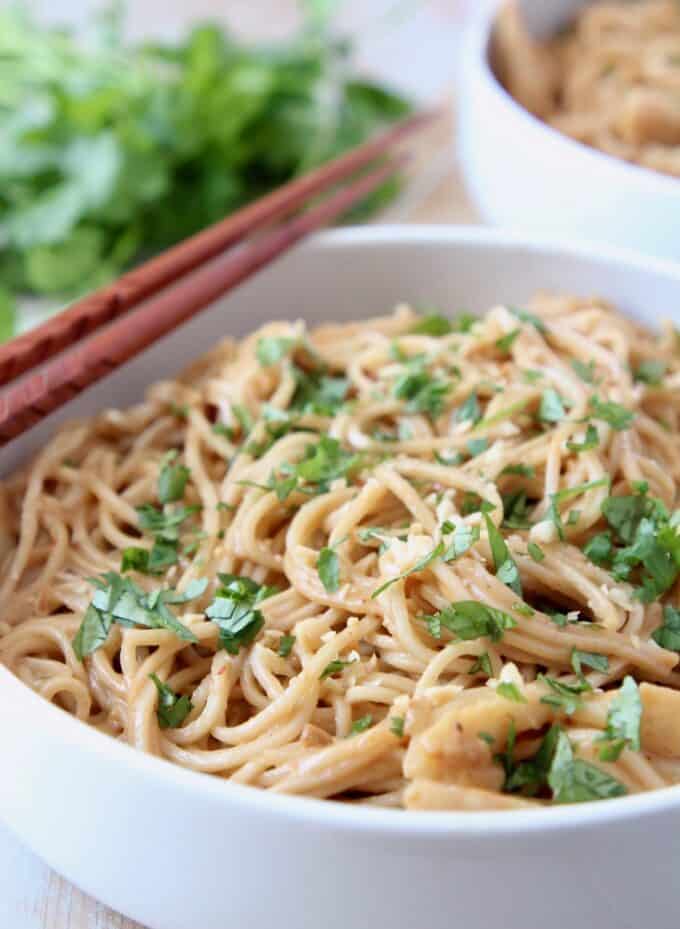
column 511, row 692
column 593, row 660
column 526, row 317
column 318, row 393
column 519, row 469
column 591, row 440
column 328, row 566
column 172, row 480
column 505, row 343
column 585, row 371
column 334, row 667
column 468, row 411
column 464, row 537
column 504, row 563
column 172, row 709
column 469, row 619
column 92, row 633
column 535, row 551
column 234, row 610
column 623, row 721
column 651, row 371
column 563, row 697
column 433, row 324
column 573, row 780
column 551, row 409
column 362, row 724
column 477, row 446
column 397, row 726
column 272, row 350
column 668, row 634
column 423, row 392
column 118, row 600
column 164, row 525
column 286, row 643
column 618, row 417
column 481, row 664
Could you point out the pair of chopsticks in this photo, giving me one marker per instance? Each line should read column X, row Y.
column 45, row 368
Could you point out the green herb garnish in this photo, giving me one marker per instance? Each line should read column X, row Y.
column 172, row 709
column 234, row 610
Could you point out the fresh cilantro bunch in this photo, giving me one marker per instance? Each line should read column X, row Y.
column 641, row 545
column 112, row 152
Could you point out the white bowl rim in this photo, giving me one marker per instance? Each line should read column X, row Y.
column 366, row 820
column 477, row 46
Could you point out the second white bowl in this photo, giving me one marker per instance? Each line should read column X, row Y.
column 526, row 176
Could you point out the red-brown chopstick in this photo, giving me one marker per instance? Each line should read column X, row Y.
column 24, row 403
column 100, row 307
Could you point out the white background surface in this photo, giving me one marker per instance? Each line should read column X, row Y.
column 411, row 43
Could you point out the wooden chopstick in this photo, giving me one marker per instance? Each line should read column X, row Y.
column 26, row 402
column 100, row 307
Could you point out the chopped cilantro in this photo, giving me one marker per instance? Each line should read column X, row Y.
column 118, row 600
column 585, row 371
column 504, row 344
column 618, row 417
column 286, row 643
column 668, row 634
column 519, row 469
column 591, row 440
column 271, row 351
column 644, row 539
column 504, row 563
column 573, row 780
column 563, row 697
column 510, row 692
column 516, row 510
column 397, row 726
column 526, row 317
column 464, row 537
column 593, row 660
column 423, row 392
column 328, row 567
column 469, row 619
column 172, row 480
column 551, row 409
column 362, row 724
column 469, row 411
column 623, row 721
column 318, row 393
column 334, row 667
column 234, row 610
column 651, row 371
column 172, row 709
column 433, row 324
column 535, row 551
column 481, row 664
column 477, row 446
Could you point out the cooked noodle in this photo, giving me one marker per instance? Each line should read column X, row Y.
column 417, row 445
column 611, row 82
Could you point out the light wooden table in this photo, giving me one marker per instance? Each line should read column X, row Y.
column 31, row 895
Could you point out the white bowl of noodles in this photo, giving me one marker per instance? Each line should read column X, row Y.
column 528, row 176
column 174, row 848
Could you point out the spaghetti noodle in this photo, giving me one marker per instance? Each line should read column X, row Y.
column 411, row 561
